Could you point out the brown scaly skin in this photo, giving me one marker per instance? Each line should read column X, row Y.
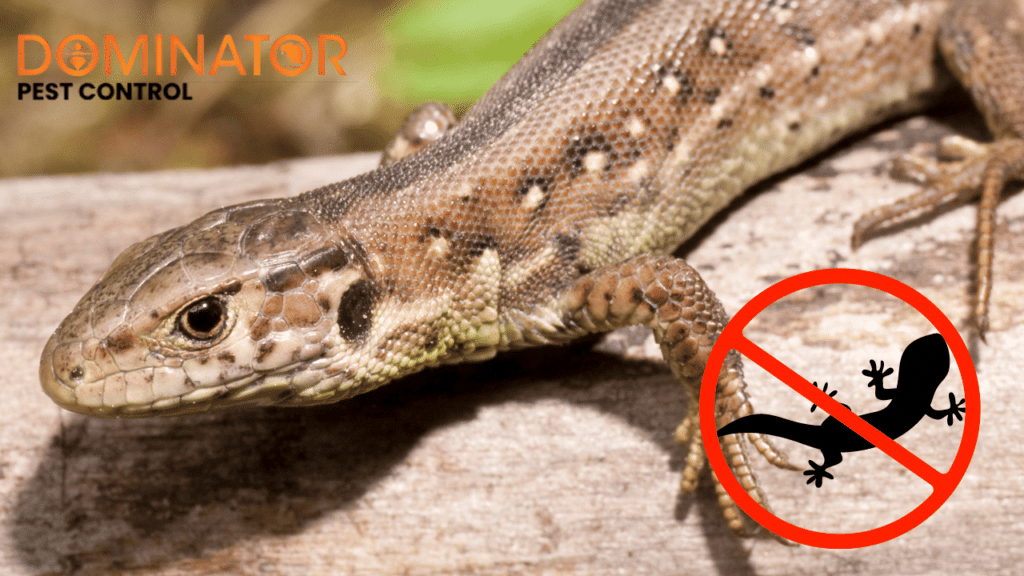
column 545, row 214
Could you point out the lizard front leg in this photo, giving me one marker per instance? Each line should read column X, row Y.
column 668, row 296
column 956, row 409
column 425, row 125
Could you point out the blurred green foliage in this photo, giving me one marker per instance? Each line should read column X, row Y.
column 454, row 50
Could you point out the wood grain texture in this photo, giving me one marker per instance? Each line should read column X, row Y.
column 554, row 461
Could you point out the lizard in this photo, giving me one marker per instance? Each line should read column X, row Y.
column 923, row 366
column 549, row 211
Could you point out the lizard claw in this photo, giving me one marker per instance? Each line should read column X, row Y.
column 877, row 374
column 817, row 474
column 955, row 408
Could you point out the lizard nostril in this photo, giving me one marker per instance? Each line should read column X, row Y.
column 77, row 373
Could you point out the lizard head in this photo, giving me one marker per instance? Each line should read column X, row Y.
column 256, row 304
column 925, row 363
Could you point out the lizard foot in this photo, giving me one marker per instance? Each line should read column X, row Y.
column 824, row 388
column 878, row 374
column 955, row 409
column 981, row 169
column 817, row 474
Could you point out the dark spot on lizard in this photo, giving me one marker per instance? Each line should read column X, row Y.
column 815, row 72
column 476, row 245
column 324, row 302
column 432, row 230
column 794, row 126
column 543, row 182
column 723, row 49
column 634, row 150
column 711, row 94
column 331, row 258
column 226, row 357
column 579, row 145
column 724, row 123
column 673, row 135
column 567, row 246
column 802, row 34
column 767, row 92
column 355, row 311
column 264, row 349
column 673, row 68
column 430, row 343
column 637, row 296
column 284, row 278
column 121, row 340
column 260, row 329
column 429, row 232
column 916, row 30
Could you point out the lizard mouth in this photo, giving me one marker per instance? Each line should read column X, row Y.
column 64, row 378
column 57, row 389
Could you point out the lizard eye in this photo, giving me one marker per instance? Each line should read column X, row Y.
column 203, row 319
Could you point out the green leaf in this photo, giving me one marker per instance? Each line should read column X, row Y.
column 454, row 50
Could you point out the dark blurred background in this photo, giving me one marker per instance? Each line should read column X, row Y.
column 400, row 53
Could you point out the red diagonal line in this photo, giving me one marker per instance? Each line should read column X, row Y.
column 841, row 413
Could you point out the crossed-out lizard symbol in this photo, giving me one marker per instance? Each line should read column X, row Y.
column 923, row 366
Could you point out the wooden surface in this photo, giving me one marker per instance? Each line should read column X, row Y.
column 556, row 461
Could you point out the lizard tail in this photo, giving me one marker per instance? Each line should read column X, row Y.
column 774, row 426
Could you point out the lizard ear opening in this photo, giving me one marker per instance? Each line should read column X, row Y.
column 355, row 310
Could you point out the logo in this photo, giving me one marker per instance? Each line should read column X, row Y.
column 294, row 55
column 923, row 366
column 156, row 55
column 78, row 57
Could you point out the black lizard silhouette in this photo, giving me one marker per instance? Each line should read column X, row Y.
column 923, row 366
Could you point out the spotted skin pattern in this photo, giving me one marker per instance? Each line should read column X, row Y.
column 546, row 213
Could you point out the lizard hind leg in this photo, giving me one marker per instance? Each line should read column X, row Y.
column 819, row 472
column 984, row 169
column 982, row 44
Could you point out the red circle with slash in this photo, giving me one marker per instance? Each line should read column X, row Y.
column 942, row 484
